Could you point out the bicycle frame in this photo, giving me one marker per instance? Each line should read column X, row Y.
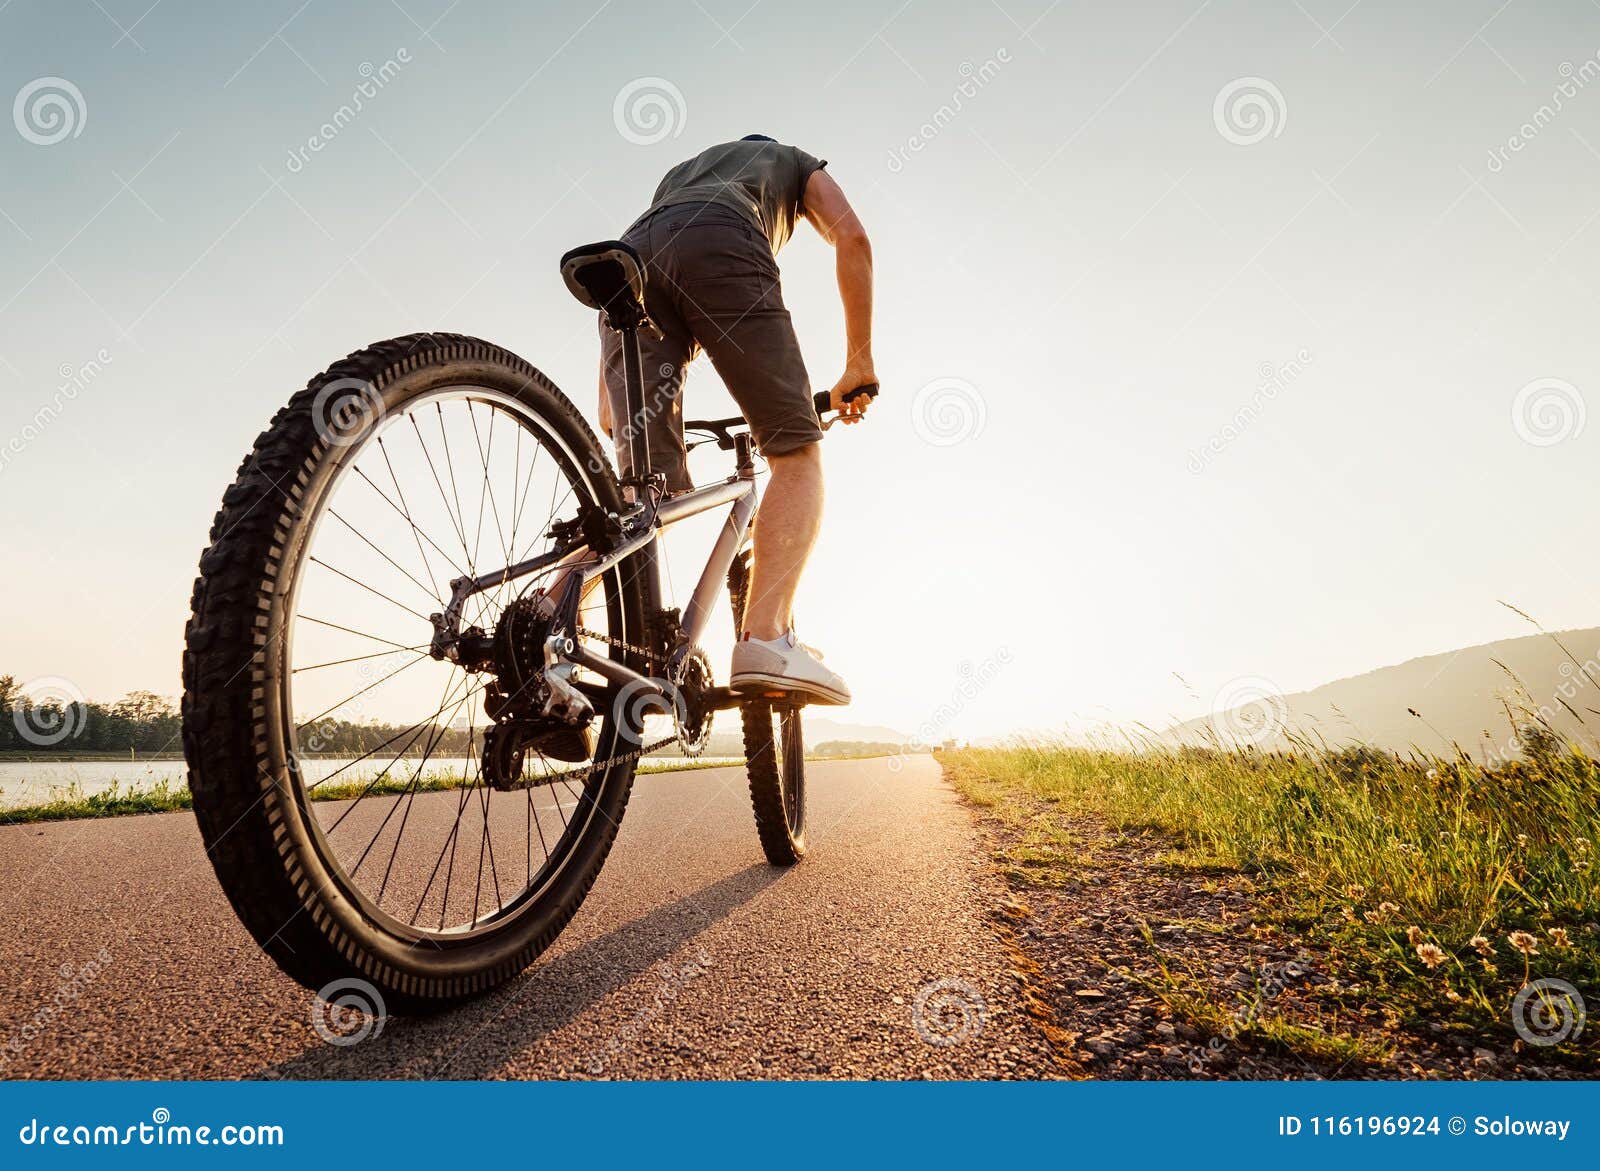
column 738, row 490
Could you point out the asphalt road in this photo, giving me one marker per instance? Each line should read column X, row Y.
column 691, row 957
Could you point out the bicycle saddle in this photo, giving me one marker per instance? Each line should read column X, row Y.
column 608, row 276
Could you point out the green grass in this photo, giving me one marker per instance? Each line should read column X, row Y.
column 1378, row 859
column 114, row 802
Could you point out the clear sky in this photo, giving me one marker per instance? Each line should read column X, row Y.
column 1218, row 340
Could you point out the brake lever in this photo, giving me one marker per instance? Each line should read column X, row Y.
column 822, row 402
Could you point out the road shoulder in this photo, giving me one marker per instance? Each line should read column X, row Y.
column 1140, row 966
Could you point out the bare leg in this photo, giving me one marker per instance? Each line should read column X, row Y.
column 786, row 529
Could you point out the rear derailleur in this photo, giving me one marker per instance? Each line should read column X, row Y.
column 533, row 701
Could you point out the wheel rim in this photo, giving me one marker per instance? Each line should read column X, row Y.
column 453, row 480
column 790, row 745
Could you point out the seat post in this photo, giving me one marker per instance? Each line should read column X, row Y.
column 636, row 484
column 610, row 276
column 633, row 384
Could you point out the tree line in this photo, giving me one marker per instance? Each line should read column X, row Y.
column 39, row 719
column 44, row 721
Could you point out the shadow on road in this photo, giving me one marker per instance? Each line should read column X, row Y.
column 478, row 1039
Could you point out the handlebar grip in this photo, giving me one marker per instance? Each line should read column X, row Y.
column 823, row 399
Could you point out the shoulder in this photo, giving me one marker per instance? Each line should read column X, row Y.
column 804, row 159
column 805, row 165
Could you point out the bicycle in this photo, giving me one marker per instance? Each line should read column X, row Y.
column 555, row 634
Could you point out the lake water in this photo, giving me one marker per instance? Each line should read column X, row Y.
column 24, row 782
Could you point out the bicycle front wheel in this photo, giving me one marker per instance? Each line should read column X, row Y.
column 774, row 753
column 336, row 762
column 775, row 758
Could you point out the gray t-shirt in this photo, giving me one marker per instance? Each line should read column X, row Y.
column 763, row 181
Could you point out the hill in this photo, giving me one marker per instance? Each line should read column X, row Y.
column 1460, row 697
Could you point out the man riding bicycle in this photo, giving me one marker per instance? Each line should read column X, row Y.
column 708, row 240
column 494, row 611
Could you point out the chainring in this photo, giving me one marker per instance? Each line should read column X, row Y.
column 689, row 672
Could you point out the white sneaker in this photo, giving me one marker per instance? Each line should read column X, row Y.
column 785, row 664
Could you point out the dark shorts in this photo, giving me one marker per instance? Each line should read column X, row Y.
column 712, row 285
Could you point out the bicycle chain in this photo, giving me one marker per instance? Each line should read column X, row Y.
column 650, row 657
column 591, row 768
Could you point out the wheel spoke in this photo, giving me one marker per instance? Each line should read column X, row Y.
column 484, row 798
column 374, row 751
column 450, row 466
column 404, row 510
column 437, row 733
column 354, row 581
column 363, row 691
column 416, row 776
column 410, row 797
column 455, row 521
column 488, row 491
column 432, row 593
column 358, row 633
column 533, row 466
column 359, row 658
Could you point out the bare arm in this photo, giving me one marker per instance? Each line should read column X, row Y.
column 836, row 221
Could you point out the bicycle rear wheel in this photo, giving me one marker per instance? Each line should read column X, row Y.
column 774, row 752
column 336, row 764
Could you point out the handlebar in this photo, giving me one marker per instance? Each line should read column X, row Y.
column 721, row 429
column 823, row 399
